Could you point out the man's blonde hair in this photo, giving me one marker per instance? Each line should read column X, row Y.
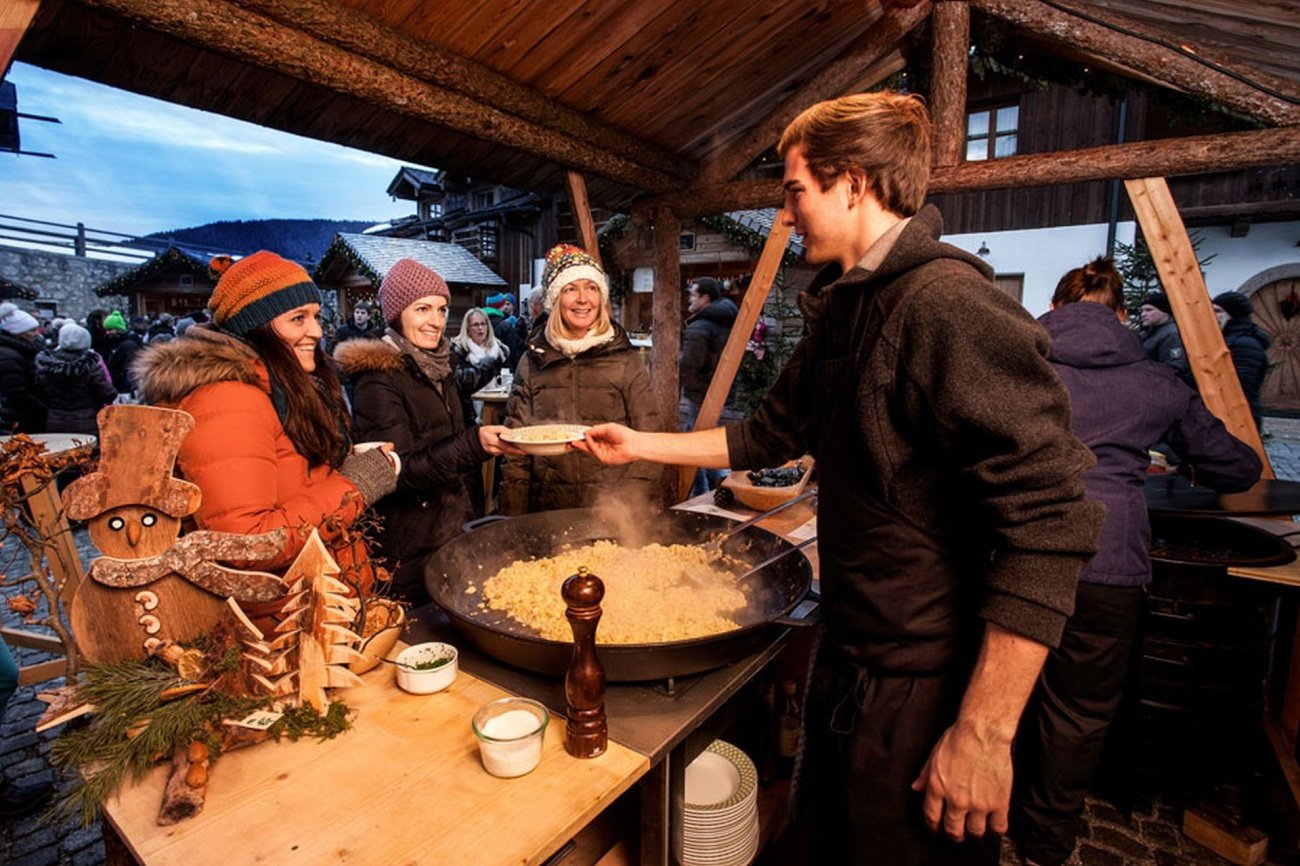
column 885, row 135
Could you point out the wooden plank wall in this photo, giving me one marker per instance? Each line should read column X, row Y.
column 1050, row 120
column 518, row 243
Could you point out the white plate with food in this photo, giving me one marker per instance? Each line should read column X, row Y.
column 544, row 440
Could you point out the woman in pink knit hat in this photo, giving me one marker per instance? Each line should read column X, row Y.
column 406, row 393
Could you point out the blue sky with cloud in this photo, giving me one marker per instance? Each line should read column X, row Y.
column 132, row 164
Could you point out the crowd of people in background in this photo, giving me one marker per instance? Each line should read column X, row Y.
column 56, row 374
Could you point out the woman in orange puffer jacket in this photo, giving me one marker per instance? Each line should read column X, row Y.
column 271, row 445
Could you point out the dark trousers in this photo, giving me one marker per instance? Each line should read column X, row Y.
column 867, row 738
column 1064, row 729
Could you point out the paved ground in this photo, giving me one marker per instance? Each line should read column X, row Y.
column 1150, row 838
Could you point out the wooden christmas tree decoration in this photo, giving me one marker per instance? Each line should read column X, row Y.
column 148, row 587
column 315, row 643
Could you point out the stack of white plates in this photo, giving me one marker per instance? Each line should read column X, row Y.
column 720, row 821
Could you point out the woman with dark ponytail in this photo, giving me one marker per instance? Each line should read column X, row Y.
column 1121, row 404
column 271, row 446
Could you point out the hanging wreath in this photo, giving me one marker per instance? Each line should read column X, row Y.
column 1290, row 306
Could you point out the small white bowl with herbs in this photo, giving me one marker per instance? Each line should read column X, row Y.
column 426, row 667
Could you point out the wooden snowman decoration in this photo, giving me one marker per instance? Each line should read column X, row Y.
column 148, row 587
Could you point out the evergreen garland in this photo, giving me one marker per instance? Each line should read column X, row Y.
column 134, row 728
column 742, row 236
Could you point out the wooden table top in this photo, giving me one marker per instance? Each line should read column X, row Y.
column 57, row 443
column 405, row 785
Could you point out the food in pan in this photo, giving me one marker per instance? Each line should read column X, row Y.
column 653, row 594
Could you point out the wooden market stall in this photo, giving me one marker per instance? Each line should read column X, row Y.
column 354, row 266
column 661, row 108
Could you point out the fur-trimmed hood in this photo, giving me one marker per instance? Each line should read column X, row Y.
column 167, row 372
column 66, row 363
column 364, row 355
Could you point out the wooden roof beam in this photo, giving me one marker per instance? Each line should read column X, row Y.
column 948, row 80
column 1163, row 64
column 226, row 28
column 357, row 32
column 839, row 77
column 1201, row 154
column 15, row 17
column 581, row 208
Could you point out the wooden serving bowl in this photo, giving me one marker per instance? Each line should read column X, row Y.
column 380, row 643
column 763, row 498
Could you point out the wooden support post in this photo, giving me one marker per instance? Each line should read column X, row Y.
column 15, row 17
column 1197, row 154
column 1175, row 260
column 667, row 314
column 951, row 21
column 751, row 307
column 582, row 213
column 47, row 516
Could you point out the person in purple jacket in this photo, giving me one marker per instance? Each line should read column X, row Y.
column 1121, row 403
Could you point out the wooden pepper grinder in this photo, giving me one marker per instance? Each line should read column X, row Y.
column 587, row 734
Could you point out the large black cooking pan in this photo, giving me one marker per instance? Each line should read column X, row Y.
column 1216, row 541
column 471, row 558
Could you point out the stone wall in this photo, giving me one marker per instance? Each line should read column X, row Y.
column 64, row 285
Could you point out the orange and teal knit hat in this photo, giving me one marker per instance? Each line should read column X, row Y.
column 256, row 289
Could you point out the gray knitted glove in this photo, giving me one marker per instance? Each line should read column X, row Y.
column 373, row 474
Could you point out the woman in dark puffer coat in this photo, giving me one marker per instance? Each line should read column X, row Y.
column 578, row 368
column 72, row 383
column 405, row 393
column 21, row 408
column 1121, row 403
column 1247, row 344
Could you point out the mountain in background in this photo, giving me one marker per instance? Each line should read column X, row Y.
column 300, row 240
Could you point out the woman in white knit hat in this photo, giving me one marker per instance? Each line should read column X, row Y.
column 21, row 408
column 578, row 368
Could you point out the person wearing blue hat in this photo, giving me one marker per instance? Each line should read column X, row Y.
column 507, row 327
